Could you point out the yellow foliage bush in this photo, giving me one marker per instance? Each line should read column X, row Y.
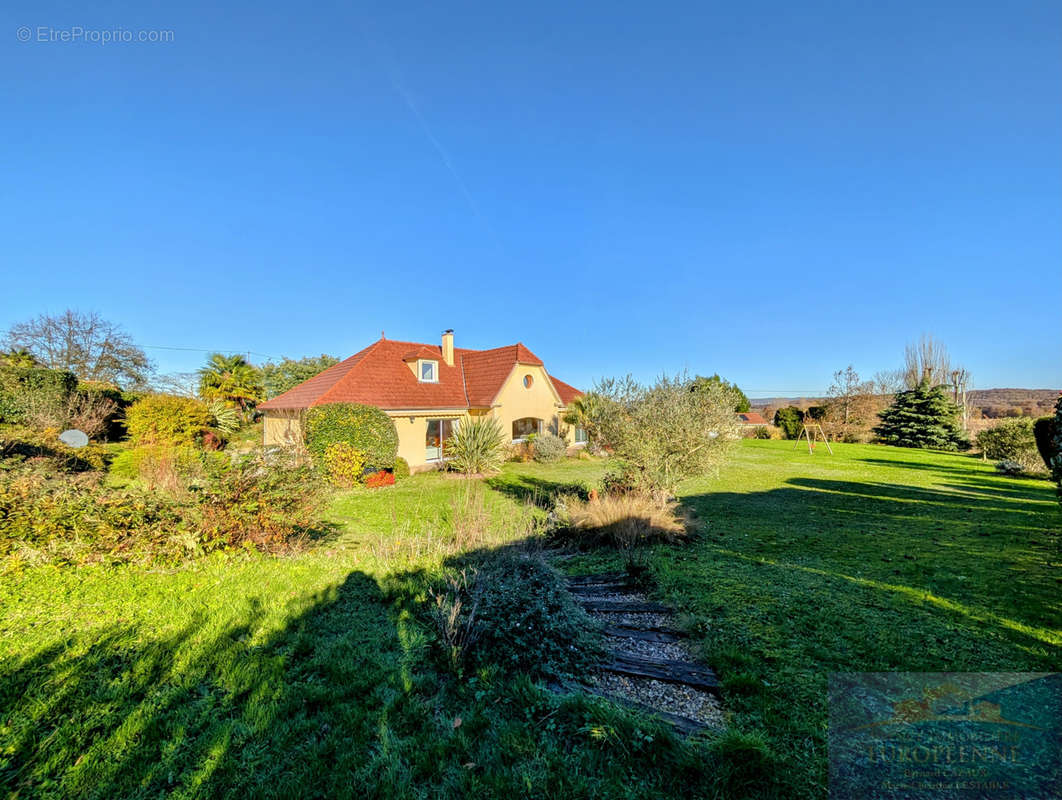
column 344, row 464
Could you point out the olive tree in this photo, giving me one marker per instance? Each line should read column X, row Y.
column 663, row 433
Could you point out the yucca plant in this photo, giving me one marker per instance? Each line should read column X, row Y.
column 224, row 417
column 476, row 446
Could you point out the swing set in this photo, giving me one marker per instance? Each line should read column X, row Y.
column 812, row 431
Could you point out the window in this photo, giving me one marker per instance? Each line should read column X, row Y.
column 428, row 371
column 580, row 436
column 528, row 381
column 438, row 434
column 522, row 428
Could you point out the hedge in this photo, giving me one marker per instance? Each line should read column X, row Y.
column 51, row 387
column 1044, row 433
column 366, row 428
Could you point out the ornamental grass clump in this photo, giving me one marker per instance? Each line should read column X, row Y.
column 453, row 613
column 476, row 447
column 619, row 520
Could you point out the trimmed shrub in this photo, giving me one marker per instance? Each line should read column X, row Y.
column 761, row 432
column 366, row 428
column 167, row 419
column 34, row 395
column 477, row 446
column 344, row 464
column 1011, row 441
column 401, row 469
column 789, row 419
column 1044, row 434
column 549, row 448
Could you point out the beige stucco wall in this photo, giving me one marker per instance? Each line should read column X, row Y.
column 516, row 401
column 412, row 429
column 280, row 427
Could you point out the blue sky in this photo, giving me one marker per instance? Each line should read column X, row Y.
column 766, row 190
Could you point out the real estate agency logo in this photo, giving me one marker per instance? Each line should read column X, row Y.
column 933, row 735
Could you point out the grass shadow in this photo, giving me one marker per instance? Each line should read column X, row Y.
column 536, row 491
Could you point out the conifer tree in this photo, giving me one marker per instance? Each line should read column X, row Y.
column 922, row 417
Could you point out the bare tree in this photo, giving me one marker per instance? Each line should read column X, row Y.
column 182, row 384
column 85, row 344
column 887, row 382
column 960, row 382
column 927, row 360
column 846, row 387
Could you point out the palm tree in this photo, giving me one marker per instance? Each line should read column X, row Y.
column 588, row 411
column 231, row 379
column 20, row 357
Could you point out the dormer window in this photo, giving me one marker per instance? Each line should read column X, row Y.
column 428, row 371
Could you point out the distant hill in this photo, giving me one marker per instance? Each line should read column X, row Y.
column 992, row 403
column 1014, row 402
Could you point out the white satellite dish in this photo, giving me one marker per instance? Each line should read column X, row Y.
column 73, row 438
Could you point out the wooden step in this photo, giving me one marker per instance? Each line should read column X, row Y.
column 646, row 634
column 681, row 725
column 622, row 606
column 682, row 672
column 585, row 589
column 598, row 577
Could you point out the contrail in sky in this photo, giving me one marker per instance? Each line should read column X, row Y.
column 399, row 86
column 447, row 161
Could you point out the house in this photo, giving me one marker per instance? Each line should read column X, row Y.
column 427, row 389
column 751, row 419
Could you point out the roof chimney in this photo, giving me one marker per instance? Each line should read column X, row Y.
column 448, row 347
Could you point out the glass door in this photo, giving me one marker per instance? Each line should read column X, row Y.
column 438, row 433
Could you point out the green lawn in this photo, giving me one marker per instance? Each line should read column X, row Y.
column 306, row 676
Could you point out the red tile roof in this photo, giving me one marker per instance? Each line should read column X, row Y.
column 380, row 376
column 752, row 418
column 567, row 392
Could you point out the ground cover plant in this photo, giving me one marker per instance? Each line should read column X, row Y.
column 319, row 674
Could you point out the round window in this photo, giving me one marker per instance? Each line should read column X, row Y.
column 528, row 381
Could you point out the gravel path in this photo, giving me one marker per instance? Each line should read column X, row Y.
column 647, row 619
column 671, row 651
column 685, row 701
